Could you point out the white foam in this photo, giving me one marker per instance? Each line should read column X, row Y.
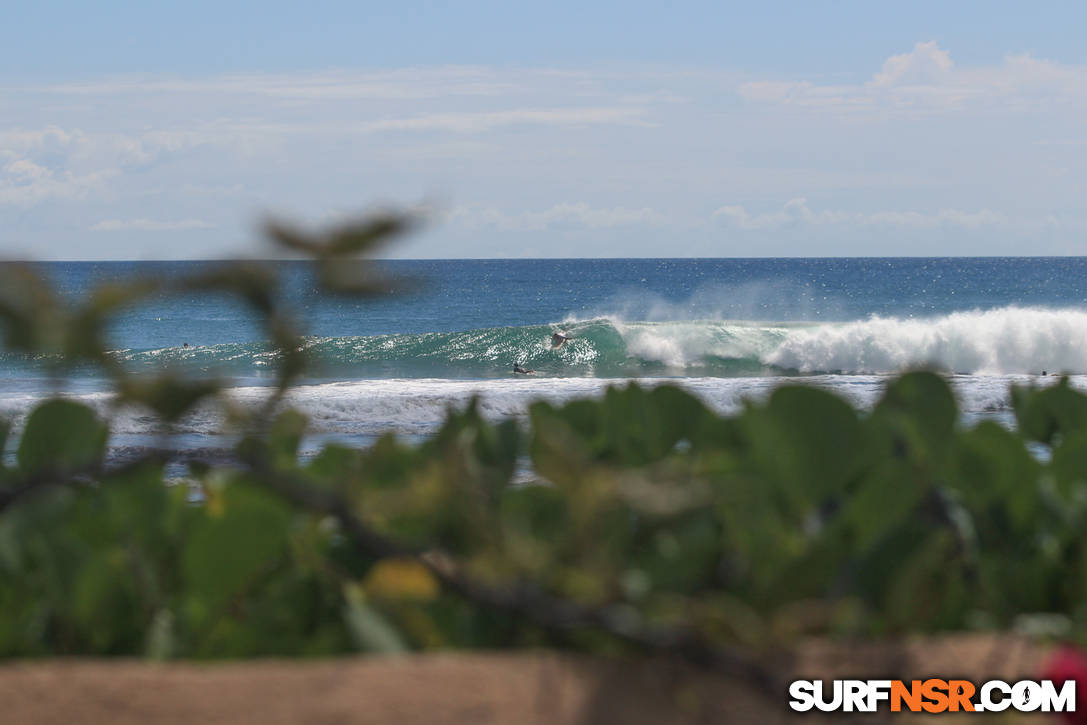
column 1002, row 341
column 683, row 344
column 416, row 407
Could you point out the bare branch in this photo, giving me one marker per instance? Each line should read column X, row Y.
column 40, row 481
column 534, row 605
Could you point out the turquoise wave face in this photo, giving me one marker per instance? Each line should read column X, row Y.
column 595, row 348
column 1008, row 340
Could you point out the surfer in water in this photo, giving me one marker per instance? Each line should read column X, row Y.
column 559, row 339
column 518, row 369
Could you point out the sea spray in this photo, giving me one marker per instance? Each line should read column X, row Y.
column 1006, row 340
column 990, row 342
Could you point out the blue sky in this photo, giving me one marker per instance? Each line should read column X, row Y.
column 146, row 130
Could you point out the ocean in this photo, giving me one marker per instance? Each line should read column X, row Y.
column 725, row 329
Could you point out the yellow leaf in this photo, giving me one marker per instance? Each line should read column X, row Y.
column 400, row 578
column 215, row 505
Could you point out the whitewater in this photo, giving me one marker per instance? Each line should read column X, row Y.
column 727, row 330
column 1002, row 341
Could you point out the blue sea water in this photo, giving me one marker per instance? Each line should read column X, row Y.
column 724, row 328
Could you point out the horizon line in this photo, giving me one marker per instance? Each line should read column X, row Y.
column 208, row 260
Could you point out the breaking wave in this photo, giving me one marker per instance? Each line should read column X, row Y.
column 1008, row 340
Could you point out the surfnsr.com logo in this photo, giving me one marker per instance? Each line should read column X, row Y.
column 932, row 696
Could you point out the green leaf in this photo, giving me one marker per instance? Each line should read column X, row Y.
column 286, row 435
column 996, row 476
column 1069, row 462
column 684, row 417
column 372, row 631
column 243, row 534
column 558, row 453
column 354, row 237
column 918, row 414
column 5, row 431
column 253, row 282
column 86, row 328
column 169, row 395
column 812, row 440
column 681, row 556
column 30, row 313
column 1043, row 414
column 61, row 435
column 104, row 602
column 161, row 637
column 887, row 496
column 535, row 512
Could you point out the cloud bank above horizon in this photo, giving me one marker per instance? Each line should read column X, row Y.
column 916, row 155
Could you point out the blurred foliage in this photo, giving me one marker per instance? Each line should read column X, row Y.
column 652, row 522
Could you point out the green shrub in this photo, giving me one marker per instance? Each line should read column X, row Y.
column 655, row 523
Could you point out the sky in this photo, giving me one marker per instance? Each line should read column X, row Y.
column 135, row 130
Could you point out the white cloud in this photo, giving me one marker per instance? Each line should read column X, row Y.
column 24, row 182
column 396, row 84
column 925, row 64
column 797, row 212
column 49, row 137
column 579, row 215
column 149, row 225
column 794, row 211
column 915, row 141
column 53, row 162
column 486, row 121
column 926, row 79
column 775, row 91
column 26, row 172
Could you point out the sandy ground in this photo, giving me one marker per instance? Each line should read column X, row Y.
column 436, row 689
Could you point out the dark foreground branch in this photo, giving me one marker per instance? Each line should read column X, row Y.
column 25, row 486
column 541, row 609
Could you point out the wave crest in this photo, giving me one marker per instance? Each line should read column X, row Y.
column 991, row 342
column 1008, row 340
